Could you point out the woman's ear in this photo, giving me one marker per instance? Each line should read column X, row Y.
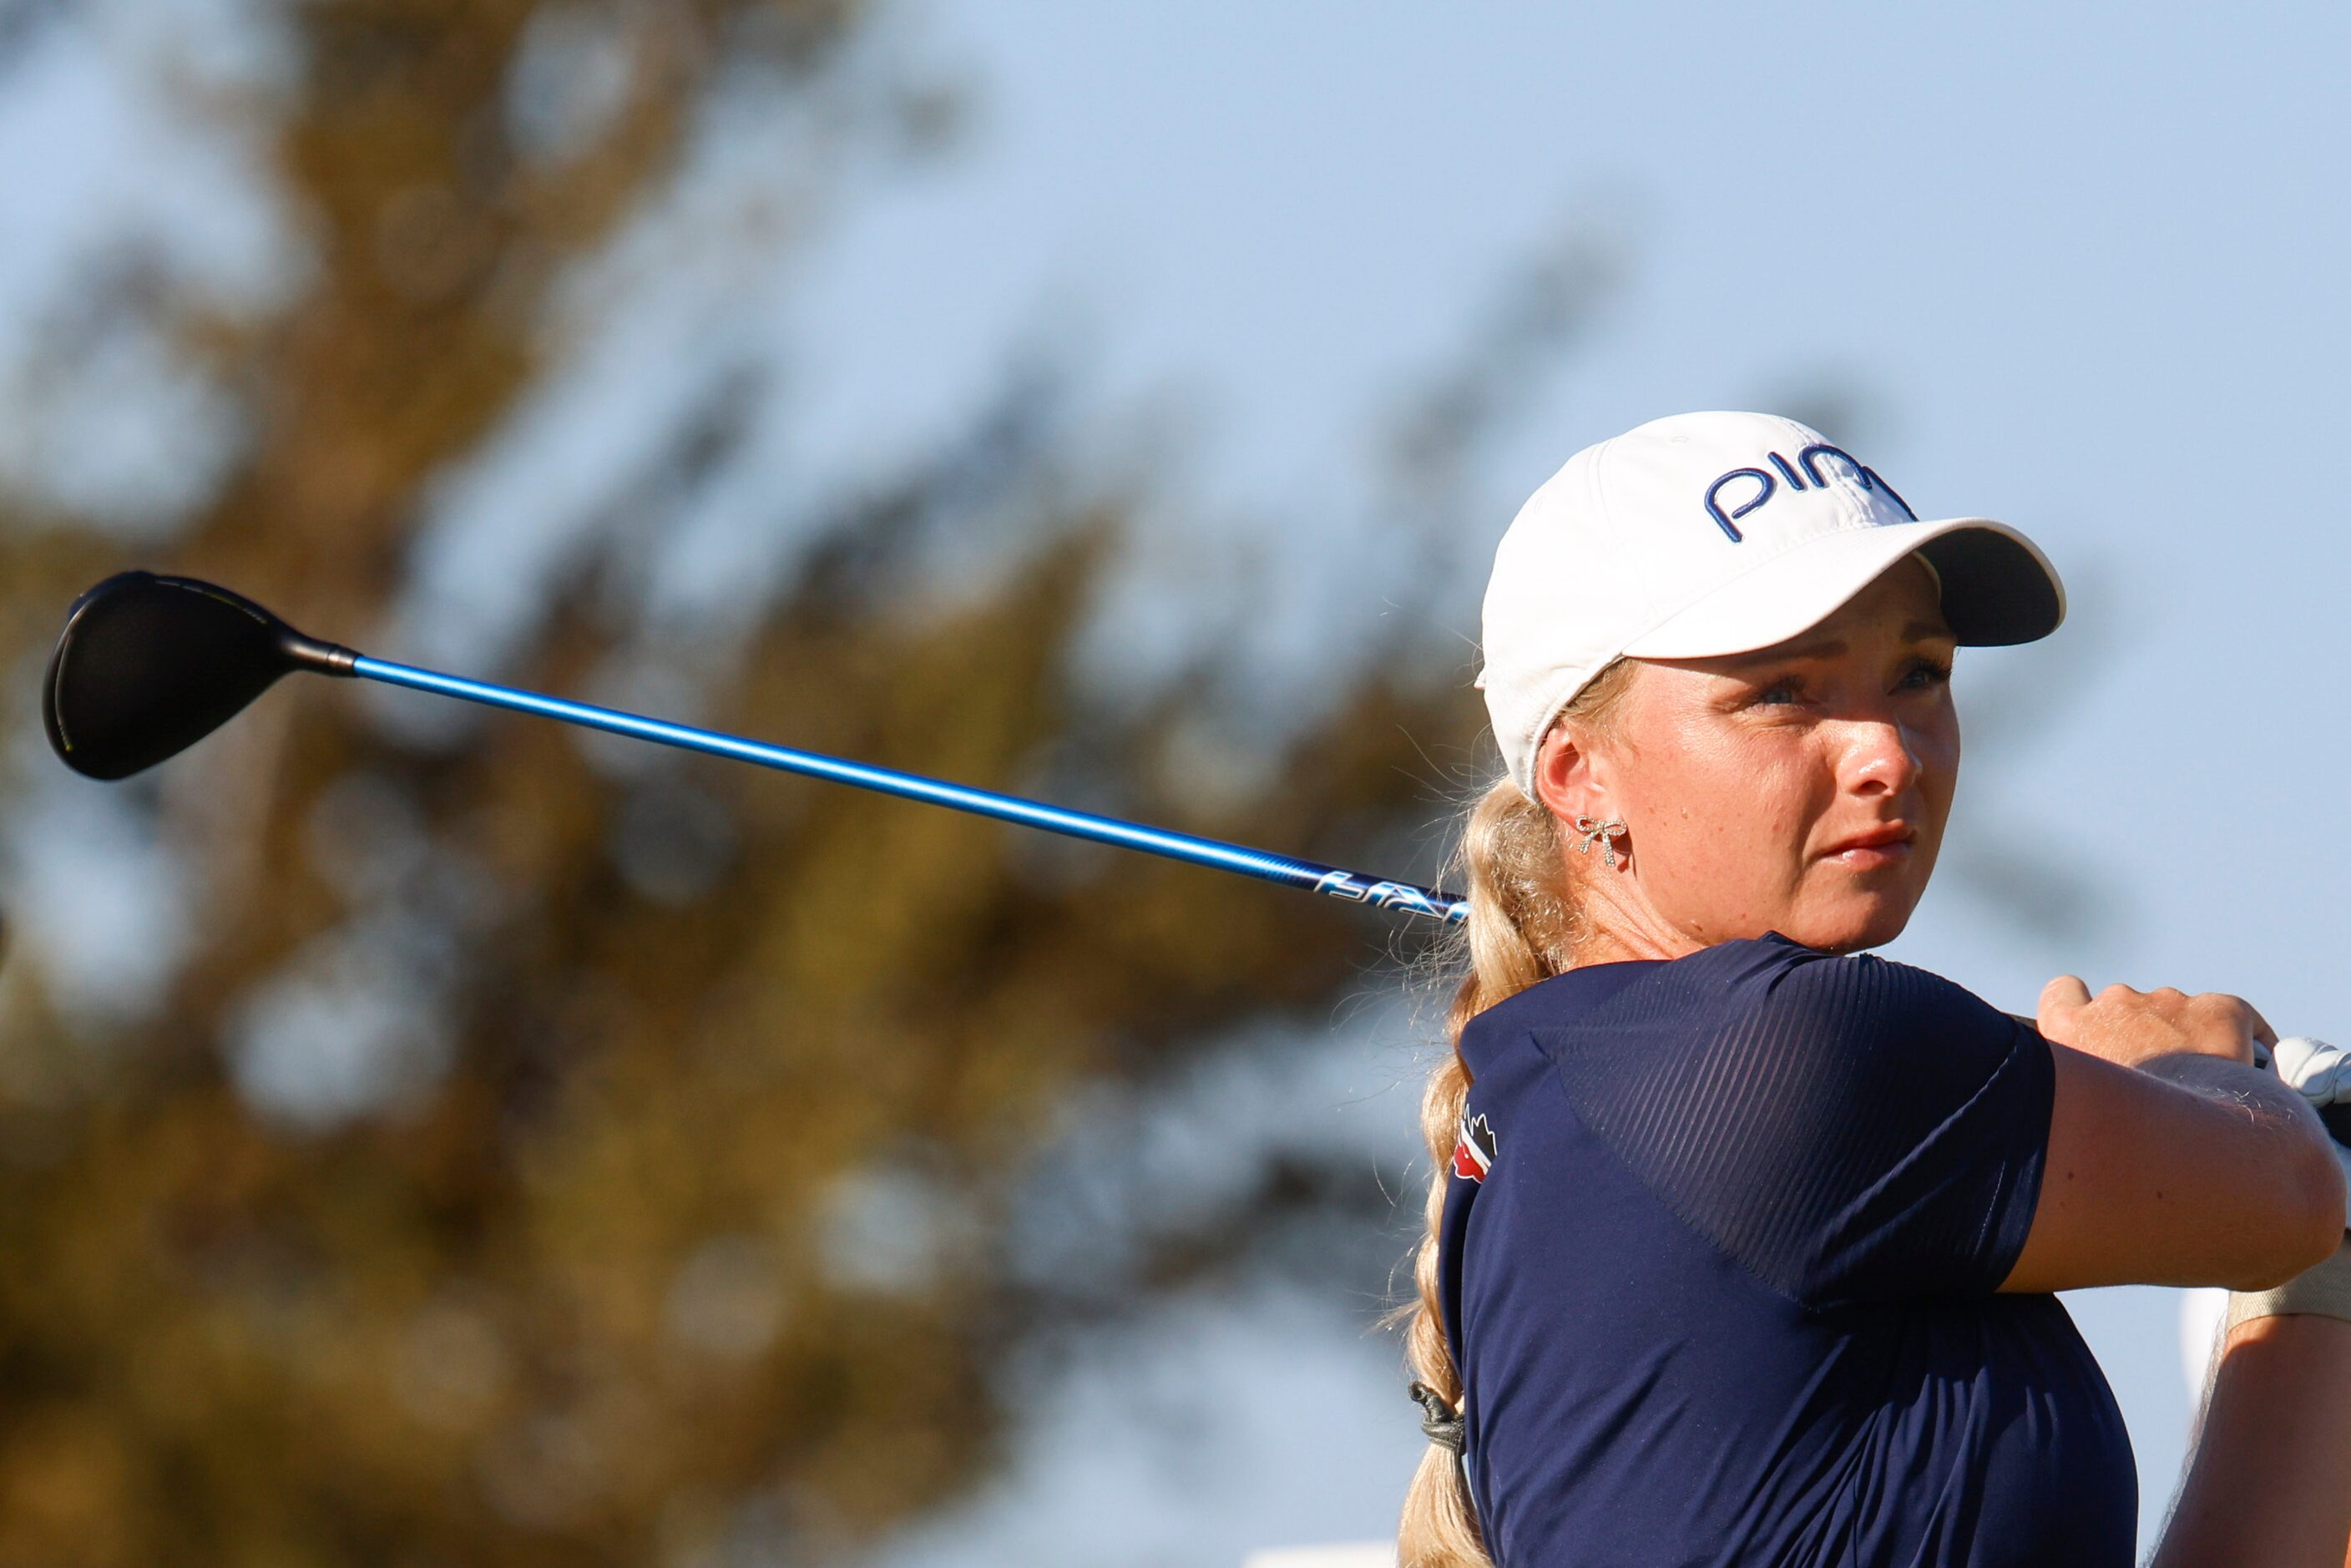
column 1563, row 776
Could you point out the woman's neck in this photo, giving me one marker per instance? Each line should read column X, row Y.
column 1619, row 923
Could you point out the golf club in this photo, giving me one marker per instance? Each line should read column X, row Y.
column 148, row 665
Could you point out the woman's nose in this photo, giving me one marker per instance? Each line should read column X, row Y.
column 1883, row 758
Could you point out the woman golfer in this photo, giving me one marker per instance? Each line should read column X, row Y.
column 1741, row 1243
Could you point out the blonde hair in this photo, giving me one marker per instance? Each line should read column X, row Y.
column 1523, row 927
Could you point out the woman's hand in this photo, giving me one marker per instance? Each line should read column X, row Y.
column 2132, row 1028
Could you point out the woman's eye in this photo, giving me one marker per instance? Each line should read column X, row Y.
column 1926, row 673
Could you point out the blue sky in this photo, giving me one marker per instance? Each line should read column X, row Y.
column 2077, row 267
column 2072, row 267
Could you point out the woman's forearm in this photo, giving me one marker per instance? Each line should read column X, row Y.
column 2269, row 1484
column 2180, row 1170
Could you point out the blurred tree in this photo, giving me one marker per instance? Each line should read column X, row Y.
column 548, row 1156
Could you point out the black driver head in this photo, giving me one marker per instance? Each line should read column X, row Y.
column 149, row 666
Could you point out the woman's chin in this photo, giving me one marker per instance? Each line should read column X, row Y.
column 1870, row 923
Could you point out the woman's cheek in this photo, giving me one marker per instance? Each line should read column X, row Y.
column 1724, row 861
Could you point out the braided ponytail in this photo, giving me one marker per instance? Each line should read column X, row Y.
column 1522, row 929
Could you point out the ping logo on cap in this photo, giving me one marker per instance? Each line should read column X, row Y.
column 1767, row 484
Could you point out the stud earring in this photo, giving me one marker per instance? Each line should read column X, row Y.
column 1599, row 833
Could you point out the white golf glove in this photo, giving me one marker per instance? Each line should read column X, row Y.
column 2316, row 1070
column 2313, row 1067
column 2322, row 1074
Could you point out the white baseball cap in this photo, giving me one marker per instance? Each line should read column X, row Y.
column 1706, row 533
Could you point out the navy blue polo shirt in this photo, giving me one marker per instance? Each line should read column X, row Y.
column 1718, row 1263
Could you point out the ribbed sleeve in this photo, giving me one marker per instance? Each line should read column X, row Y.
column 1848, row 1129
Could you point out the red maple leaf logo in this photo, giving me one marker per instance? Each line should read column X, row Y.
column 1473, row 1157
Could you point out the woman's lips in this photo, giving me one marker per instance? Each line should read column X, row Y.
column 1885, row 846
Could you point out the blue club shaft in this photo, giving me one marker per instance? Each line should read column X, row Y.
column 1332, row 881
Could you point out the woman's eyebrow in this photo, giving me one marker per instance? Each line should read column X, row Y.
column 1827, row 648
column 1832, row 647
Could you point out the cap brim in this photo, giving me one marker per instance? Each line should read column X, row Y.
column 1998, row 589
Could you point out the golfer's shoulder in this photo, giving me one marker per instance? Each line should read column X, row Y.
column 1845, row 1013
column 1762, row 1078
column 1801, row 1008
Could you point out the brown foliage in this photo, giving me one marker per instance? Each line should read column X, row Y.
column 701, row 1218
